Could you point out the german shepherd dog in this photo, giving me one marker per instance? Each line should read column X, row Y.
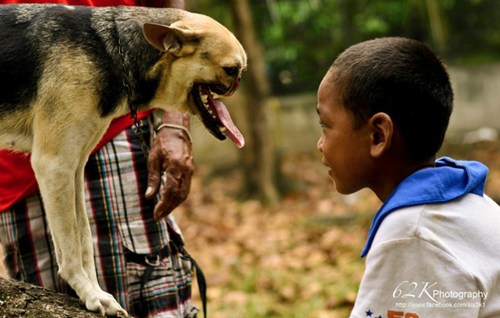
column 67, row 71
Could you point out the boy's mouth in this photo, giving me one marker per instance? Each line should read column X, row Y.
column 323, row 161
column 330, row 171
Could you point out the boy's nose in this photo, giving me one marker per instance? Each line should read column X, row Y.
column 319, row 144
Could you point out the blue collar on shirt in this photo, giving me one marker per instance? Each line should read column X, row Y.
column 448, row 180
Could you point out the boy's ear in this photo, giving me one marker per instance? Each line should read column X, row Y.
column 381, row 130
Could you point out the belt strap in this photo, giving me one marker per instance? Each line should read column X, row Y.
column 153, row 260
column 150, row 261
column 178, row 244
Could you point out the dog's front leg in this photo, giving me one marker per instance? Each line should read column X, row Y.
column 105, row 300
column 85, row 233
column 58, row 166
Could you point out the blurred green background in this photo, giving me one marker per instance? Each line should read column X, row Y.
column 292, row 43
column 264, row 222
column 301, row 38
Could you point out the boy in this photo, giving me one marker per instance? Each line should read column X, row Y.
column 433, row 249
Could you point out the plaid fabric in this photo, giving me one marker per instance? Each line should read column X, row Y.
column 120, row 217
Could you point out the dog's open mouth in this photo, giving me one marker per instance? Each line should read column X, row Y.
column 214, row 114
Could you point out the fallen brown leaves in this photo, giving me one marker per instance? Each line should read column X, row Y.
column 296, row 259
column 299, row 258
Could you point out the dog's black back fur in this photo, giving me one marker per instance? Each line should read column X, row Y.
column 29, row 34
column 20, row 67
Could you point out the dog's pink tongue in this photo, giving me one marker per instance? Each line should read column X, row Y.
column 232, row 131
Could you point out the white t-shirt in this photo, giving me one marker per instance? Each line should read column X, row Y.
column 434, row 261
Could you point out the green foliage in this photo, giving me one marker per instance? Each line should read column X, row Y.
column 301, row 38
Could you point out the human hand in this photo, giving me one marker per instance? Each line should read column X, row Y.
column 170, row 153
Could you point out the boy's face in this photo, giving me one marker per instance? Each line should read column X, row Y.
column 345, row 149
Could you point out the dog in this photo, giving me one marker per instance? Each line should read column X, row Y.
column 67, row 71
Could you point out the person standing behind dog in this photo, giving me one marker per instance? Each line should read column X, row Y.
column 132, row 229
column 433, row 249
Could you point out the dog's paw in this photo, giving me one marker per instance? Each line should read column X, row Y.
column 105, row 304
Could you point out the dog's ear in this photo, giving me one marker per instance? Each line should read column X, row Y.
column 175, row 39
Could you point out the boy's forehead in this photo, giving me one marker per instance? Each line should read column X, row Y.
column 330, row 74
column 333, row 78
column 326, row 95
column 326, row 81
column 328, row 86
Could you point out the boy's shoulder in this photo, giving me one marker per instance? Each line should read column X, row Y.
column 465, row 228
column 423, row 251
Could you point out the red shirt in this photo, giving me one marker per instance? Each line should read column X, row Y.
column 93, row 3
column 17, row 179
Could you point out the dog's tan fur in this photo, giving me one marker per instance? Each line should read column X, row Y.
column 63, row 123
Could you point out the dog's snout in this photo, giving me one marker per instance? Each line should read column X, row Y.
column 232, row 71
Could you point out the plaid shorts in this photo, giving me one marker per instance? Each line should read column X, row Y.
column 121, row 220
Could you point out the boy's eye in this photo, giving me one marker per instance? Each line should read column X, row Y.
column 321, row 124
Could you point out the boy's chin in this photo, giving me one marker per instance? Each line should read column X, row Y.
column 342, row 189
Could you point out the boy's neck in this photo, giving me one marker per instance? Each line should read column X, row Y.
column 393, row 172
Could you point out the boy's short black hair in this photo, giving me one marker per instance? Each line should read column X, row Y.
column 404, row 79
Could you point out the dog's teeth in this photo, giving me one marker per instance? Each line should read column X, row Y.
column 222, row 129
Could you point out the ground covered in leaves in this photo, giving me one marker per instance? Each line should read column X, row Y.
column 299, row 258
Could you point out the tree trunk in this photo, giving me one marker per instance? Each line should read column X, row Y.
column 347, row 24
column 19, row 299
column 258, row 155
column 436, row 25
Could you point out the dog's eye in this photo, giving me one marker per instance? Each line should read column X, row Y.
column 231, row 71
